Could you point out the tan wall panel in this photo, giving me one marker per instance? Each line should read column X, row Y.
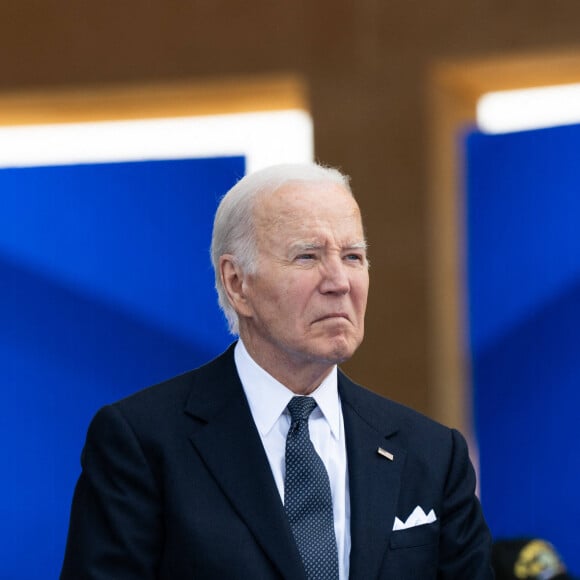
column 175, row 99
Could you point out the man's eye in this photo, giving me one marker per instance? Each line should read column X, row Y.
column 305, row 257
column 354, row 257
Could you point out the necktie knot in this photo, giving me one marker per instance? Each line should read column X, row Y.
column 300, row 408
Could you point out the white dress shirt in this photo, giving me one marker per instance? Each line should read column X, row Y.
column 268, row 400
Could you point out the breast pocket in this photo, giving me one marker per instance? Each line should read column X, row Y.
column 415, row 537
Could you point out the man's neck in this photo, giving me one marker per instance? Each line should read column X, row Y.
column 300, row 375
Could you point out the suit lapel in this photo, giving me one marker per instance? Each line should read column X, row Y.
column 229, row 444
column 374, row 480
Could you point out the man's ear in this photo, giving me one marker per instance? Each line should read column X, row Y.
column 234, row 282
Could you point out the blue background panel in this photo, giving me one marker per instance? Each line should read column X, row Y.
column 523, row 213
column 106, row 287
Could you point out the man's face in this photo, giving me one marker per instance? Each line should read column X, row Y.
column 307, row 300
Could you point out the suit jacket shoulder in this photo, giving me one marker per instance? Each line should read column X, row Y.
column 388, row 416
column 176, row 484
column 401, row 461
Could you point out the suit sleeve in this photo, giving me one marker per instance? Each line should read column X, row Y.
column 465, row 548
column 116, row 523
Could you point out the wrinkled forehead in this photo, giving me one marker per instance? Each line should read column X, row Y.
column 298, row 203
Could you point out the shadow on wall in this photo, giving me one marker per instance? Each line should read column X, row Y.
column 529, row 421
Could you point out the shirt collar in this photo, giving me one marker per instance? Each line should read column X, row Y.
column 268, row 398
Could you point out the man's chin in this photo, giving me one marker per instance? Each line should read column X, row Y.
column 338, row 350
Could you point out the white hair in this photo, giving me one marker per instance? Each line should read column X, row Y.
column 233, row 226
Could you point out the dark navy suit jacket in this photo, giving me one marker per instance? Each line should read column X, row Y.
column 176, row 485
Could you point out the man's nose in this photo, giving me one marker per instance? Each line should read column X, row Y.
column 334, row 276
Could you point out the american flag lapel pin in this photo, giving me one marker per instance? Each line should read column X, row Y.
column 385, row 453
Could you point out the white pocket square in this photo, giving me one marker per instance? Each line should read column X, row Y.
column 417, row 518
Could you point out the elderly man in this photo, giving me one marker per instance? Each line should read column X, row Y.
column 268, row 462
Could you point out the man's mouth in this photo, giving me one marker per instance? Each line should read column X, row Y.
column 333, row 316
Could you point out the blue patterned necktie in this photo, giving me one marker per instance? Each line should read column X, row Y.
column 307, row 497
